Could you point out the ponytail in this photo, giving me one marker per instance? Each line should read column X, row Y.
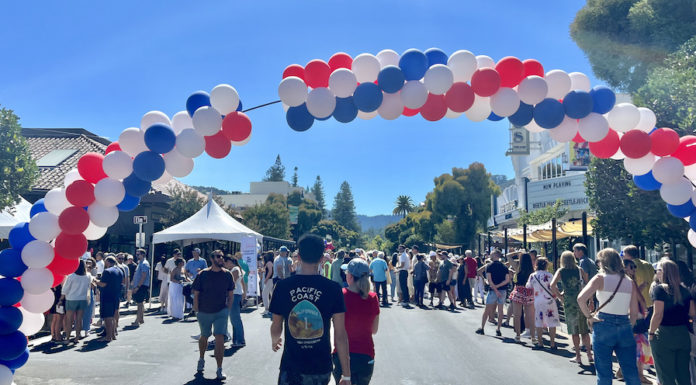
column 363, row 285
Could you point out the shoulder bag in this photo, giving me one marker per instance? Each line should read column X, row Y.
column 594, row 313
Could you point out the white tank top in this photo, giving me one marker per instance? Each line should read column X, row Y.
column 621, row 303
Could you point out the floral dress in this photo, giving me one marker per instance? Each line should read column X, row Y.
column 545, row 309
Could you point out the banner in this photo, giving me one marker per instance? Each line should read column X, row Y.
column 249, row 255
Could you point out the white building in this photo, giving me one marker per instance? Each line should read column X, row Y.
column 259, row 191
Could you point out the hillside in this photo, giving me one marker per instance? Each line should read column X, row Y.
column 377, row 222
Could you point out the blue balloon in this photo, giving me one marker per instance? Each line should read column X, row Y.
column 129, row 203
column 135, row 186
column 11, row 264
column 11, row 292
column 683, row 210
column 197, row 100
column 436, row 56
column 549, row 113
column 578, row 104
column 20, row 235
column 413, row 63
column 37, row 207
column 493, row 117
column 12, row 345
column 647, row 182
column 390, row 79
column 10, row 319
column 692, row 222
column 323, row 119
column 299, row 118
column 239, row 107
column 367, row 97
column 523, row 115
column 160, row 138
column 17, row 362
column 345, row 110
column 603, row 99
column 148, row 166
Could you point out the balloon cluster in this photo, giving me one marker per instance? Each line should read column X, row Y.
column 48, row 247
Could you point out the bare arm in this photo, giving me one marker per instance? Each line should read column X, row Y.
column 586, row 294
column 375, row 323
column 276, row 332
column 341, row 342
column 195, row 300
column 554, row 283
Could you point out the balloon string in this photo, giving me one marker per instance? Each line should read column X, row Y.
column 263, row 105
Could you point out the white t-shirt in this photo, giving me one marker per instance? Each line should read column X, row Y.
column 76, row 287
column 405, row 261
column 100, row 266
column 238, row 288
column 170, row 265
column 161, row 275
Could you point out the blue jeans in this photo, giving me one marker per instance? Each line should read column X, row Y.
column 393, row 283
column 87, row 315
column 236, row 320
column 614, row 335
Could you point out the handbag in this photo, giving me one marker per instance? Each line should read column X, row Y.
column 642, row 325
column 593, row 314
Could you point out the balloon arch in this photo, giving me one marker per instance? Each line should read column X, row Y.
column 430, row 83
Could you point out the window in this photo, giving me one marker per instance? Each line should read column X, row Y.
column 54, row 158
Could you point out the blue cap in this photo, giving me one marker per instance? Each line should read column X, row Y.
column 357, row 267
column 283, row 248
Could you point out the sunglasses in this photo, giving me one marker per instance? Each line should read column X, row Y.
column 218, row 256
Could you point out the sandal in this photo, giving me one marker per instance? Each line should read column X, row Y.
column 576, row 360
column 518, row 339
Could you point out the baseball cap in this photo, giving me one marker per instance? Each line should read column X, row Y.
column 432, row 254
column 197, row 250
column 357, row 267
column 283, row 248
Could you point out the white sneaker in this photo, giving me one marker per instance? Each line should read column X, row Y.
column 201, row 364
column 220, row 375
column 526, row 334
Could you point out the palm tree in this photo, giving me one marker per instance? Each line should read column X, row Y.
column 404, row 205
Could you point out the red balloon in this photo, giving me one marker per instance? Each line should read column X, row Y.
column 533, row 67
column 410, row 112
column 236, row 126
column 340, row 60
column 114, row 146
column 511, row 71
column 317, row 73
column 434, row 108
column 606, row 147
column 578, row 138
column 686, row 151
column 80, row 193
column 635, row 144
column 90, row 167
column 485, row 81
column 294, row 70
column 664, row 141
column 217, row 146
column 63, row 266
column 460, row 97
column 71, row 246
column 73, row 220
column 57, row 279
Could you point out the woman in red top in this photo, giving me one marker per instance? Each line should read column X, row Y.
column 362, row 321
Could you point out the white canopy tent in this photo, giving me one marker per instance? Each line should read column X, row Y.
column 11, row 216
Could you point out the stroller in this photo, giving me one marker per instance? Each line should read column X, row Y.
column 188, row 300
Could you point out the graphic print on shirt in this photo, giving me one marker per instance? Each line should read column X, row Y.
column 305, row 321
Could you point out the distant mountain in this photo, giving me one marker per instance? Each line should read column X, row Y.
column 377, row 222
column 215, row 190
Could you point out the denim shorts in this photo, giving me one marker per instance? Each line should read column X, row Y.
column 76, row 305
column 213, row 322
column 492, row 299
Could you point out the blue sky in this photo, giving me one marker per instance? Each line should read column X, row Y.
column 102, row 65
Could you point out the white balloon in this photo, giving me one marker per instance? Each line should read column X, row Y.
column 367, row 115
column 44, row 226
column 243, row 142
column 623, row 117
column 505, row 102
column 668, row 170
column 72, row 176
column 40, row 302
column 579, row 81
column 94, row 232
column 36, row 280
column 438, row 79
column 532, row 89
column 640, row 166
column 37, row 254
column 534, row 128
column 689, row 172
column 321, row 102
column 480, row 110
column 366, row 68
column 414, row 94
column 343, row 82
column 190, row 143
column 224, row 98
column 463, row 64
column 391, row 107
column 483, row 61
column 177, row 165
column 132, row 141
column 619, row 154
column 452, row 114
column 594, row 127
column 676, row 193
column 102, row 216
column 559, row 84
column 154, row 117
column 647, row 120
column 109, row 192
column 117, row 164
column 692, row 237
column 207, row 121
column 292, row 91
column 388, row 57
column 31, row 322
column 566, row 131
column 180, row 121
column 164, row 179
column 55, row 201
column 6, row 376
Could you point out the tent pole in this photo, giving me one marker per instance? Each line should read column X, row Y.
column 152, row 262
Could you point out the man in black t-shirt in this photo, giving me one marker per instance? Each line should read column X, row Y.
column 497, row 277
column 305, row 304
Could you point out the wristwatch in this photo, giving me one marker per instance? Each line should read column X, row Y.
column 345, row 378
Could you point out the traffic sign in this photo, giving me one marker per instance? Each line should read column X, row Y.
column 139, row 219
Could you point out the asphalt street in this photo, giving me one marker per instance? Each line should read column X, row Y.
column 413, row 346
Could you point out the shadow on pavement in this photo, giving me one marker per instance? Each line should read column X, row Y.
column 51, row 347
column 587, row 370
column 199, row 379
column 92, row 345
column 170, row 321
column 229, row 352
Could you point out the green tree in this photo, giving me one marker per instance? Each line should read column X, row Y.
column 294, row 177
column 404, row 205
column 19, row 171
column 275, row 173
column 543, row 215
column 271, row 218
column 342, row 237
column 277, row 198
column 344, row 208
column 445, row 232
column 318, row 191
column 183, row 203
column 294, row 198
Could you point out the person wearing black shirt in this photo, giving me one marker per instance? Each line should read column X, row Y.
column 497, row 278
